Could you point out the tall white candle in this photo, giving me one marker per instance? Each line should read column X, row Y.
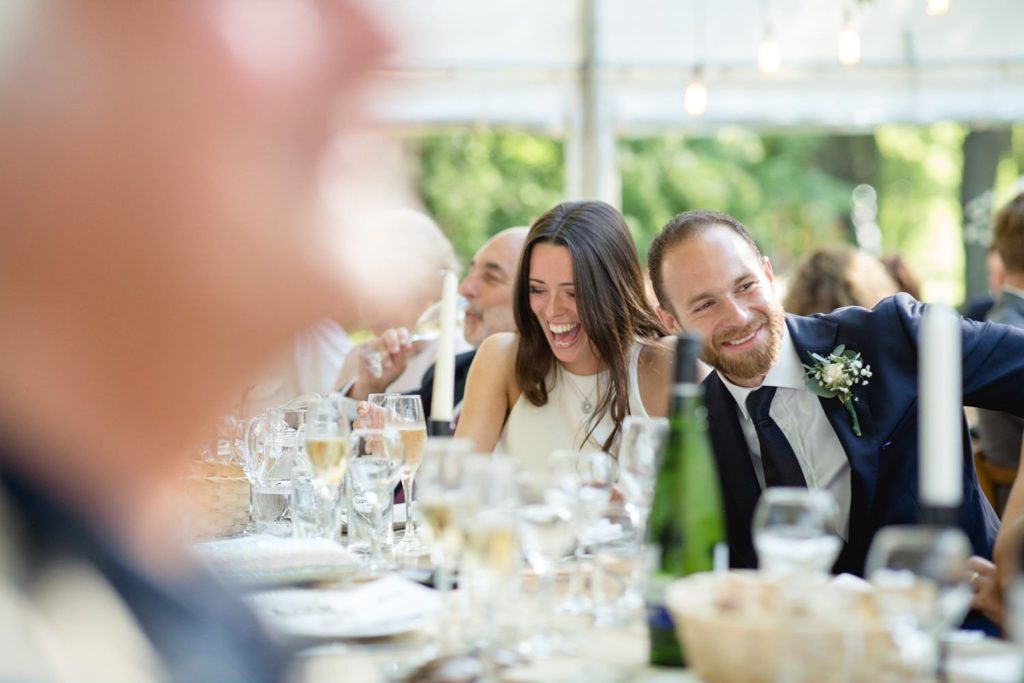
column 444, row 368
column 941, row 394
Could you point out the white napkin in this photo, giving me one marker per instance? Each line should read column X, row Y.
column 269, row 559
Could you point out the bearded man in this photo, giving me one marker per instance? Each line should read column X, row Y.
column 768, row 429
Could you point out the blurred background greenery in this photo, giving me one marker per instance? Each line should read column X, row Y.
column 794, row 191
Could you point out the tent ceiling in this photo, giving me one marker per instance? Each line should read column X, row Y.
column 504, row 62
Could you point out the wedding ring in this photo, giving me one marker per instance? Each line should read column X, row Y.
column 974, row 578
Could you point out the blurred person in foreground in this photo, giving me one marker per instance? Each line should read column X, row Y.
column 769, row 429
column 832, row 277
column 587, row 351
column 160, row 242
column 487, row 289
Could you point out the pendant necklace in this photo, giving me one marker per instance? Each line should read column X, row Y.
column 586, row 406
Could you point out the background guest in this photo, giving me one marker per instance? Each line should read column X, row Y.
column 903, row 275
column 833, row 277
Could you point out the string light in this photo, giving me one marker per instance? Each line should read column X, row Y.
column 769, row 56
column 849, row 41
column 695, row 99
column 937, row 8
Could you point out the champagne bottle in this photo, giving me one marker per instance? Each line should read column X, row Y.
column 686, row 528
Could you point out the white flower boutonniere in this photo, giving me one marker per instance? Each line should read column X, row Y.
column 836, row 375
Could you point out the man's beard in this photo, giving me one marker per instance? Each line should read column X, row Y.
column 756, row 362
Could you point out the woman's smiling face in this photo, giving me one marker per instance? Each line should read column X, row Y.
column 553, row 301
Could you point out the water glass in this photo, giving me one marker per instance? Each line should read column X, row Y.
column 642, row 442
column 376, row 460
column 272, row 486
column 615, row 540
column 795, row 531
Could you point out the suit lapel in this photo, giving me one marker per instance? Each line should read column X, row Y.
column 820, row 335
column 740, row 490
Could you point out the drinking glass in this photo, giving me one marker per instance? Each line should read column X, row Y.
column 643, row 440
column 375, row 466
column 427, row 328
column 795, row 531
column 327, row 458
column 546, row 535
column 405, row 415
column 587, row 480
column 615, row 540
column 923, row 589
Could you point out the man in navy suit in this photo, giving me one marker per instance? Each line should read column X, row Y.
column 711, row 278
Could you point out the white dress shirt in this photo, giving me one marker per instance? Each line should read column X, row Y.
column 801, row 418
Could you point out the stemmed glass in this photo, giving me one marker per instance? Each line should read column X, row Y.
column 587, row 479
column 922, row 576
column 795, row 531
column 643, row 440
column 546, row 535
column 427, row 328
column 376, row 461
column 405, row 415
column 327, row 456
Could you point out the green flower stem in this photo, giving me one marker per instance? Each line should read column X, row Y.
column 848, row 404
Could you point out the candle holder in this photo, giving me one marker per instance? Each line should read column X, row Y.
column 440, row 427
column 939, row 515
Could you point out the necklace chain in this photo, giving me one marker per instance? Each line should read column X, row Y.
column 587, row 406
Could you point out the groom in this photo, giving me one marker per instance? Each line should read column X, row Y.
column 767, row 429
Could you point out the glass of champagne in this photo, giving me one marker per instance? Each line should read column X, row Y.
column 405, row 415
column 327, row 457
column 375, row 466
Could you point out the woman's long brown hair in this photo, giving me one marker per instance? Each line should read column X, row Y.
column 610, row 301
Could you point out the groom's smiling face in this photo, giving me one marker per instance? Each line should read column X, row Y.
column 721, row 288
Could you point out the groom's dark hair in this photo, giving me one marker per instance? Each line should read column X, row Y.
column 680, row 228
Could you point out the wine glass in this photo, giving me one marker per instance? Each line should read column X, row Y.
column 327, row 458
column 375, row 466
column 643, row 440
column 405, row 414
column 923, row 589
column 587, row 480
column 795, row 531
column 427, row 328
column 615, row 540
column 546, row 535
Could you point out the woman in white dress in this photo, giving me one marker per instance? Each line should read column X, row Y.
column 588, row 351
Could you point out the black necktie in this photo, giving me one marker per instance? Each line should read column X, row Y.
column 781, row 467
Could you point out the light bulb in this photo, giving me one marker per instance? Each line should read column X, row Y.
column 849, row 45
column 937, row 7
column 695, row 100
column 769, row 57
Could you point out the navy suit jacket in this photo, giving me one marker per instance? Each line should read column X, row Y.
column 883, row 461
column 426, row 390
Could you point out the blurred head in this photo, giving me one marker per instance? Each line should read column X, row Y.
column 903, row 275
column 833, row 277
column 487, row 286
column 579, row 301
column 412, row 241
column 1008, row 239
column 184, row 246
column 710, row 278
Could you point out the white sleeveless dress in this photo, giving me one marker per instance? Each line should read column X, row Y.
column 532, row 432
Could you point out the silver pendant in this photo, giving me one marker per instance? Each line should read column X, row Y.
column 586, row 406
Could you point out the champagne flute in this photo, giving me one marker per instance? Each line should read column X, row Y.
column 327, row 456
column 376, row 461
column 405, row 414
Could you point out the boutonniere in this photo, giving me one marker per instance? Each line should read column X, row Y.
column 835, row 376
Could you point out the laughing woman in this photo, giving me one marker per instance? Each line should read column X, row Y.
column 588, row 351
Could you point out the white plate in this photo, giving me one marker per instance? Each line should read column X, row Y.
column 386, row 607
column 261, row 560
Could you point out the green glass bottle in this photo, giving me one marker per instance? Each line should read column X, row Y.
column 686, row 528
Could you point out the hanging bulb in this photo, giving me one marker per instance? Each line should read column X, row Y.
column 849, row 42
column 695, row 100
column 937, row 8
column 769, row 56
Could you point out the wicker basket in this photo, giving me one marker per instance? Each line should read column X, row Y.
column 218, row 500
column 734, row 630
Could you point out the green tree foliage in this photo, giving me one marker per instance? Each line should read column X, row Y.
column 477, row 182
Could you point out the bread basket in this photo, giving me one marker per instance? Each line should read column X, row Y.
column 218, row 500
